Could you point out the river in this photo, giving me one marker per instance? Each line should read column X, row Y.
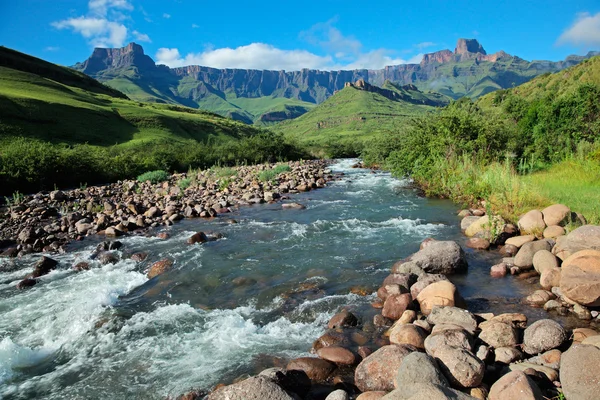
column 259, row 296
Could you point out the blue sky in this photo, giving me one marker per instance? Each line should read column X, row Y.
column 292, row 35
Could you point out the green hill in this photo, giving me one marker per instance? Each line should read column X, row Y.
column 358, row 112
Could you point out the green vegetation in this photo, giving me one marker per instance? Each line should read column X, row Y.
column 267, row 176
column 281, row 168
column 153, row 176
column 184, row 183
column 491, row 149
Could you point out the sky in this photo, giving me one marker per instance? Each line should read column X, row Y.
column 325, row 34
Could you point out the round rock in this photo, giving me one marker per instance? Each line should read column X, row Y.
column 543, row 335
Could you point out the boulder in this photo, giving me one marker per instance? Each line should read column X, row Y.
column 580, row 334
column 467, row 221
column 498, row 334
column 418, row 368
column 291, row 381
column 550, row 278
column 450, row 337
column 478, row 243
column 198, row 237
column 592, row 340
column 342, row 319
column 553, row 231
column 460, row 366
column 519, row 241
column 579, row 372
column 453, row 315
column 43, row 267
column 316, row 369
column 337, row 355
column 508, row 250
column 515, row 385
column 498, row 270
column 524, row 258
column 507, row 355
column 395, row 305
column 516, row 320
column 556, row 214
column 580, row 277
column 430, row 392
column 543, row 335
column 403, row 280
column 586, row 237
column 442, row 293
column 160, row 267
column 543, row 260
column 482, row 226
column 532, row 223
column 408, row 334
column 539, row 298
column 549, row 373
column 257, row 387
column 441, row 257
column 377, row 371
column 424, row 281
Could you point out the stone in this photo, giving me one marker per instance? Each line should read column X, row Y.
column 482, row 226
column 543, row 335
column 532, row 223
column 338, row 395
column 337, row 355
column 453, row 315
column 515, row 385
column 550, row 278
column 498, row 270
column 43, row 266
column 460, row 366
column 159, row 267
column 377, row 371
column 418, row 368
column 442, row 293
column 295, row 206
column 408, row 334
column 592, row 340
column 112, row 231
column 478, row 243
column 291, row 381
column 552, row 305
column 556, row 214
column 508, row 250
column 550, row 373
column 586, row 237
column 519, row 241
column 579, row 372
column 429, row 392
column 331, row 338
column 27, row 282
column 451, row 337
column 441, row 257
column 464, row 213
column 342, row 319
column 108, row 257
column 507, row 355
column 499, row 334
column 580, row 277
column 468, row 221
column 543, row 260
column 316, row 369
column 198, row 237
column 524, row 258
column 424, row 281
column 580, row 334
column 408, row 317
column 581, row 312
column 553, row 231
column 539, row 298
column 482, row 352
column 395, row 305
column 403, row 280
column 254, row 388
column 374, row 395
column 550, row 359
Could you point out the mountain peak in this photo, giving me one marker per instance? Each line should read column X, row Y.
column 102, row 59
column 466, row 46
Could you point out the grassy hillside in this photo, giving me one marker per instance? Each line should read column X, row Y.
column 352, row 115
column 61, row 127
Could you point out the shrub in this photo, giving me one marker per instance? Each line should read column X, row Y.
column 184, row 183
column 153, row 176
column 266, row 176
column 281, row 169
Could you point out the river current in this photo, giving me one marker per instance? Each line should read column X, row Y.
column 257, row 297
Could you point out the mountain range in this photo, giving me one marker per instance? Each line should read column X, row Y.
column 265, row 97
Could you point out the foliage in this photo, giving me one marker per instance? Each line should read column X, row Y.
column 281, row 168
column 267, row 175
column 184, row 183
column 153, row 176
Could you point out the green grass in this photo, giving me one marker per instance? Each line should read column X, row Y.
column 153, row 176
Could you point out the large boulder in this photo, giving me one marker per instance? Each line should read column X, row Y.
column 439, row 294
column 418, row 368
column 543, row 335
column 377, row 371
column 254, row 388
column 543, row 260
column 556, row 214
column 579, row 372
column 532, row 223
column 580, row 277
column 441, row 257
column 524, row 258
column 583, row 238
column 515, row 385
column 460, row 366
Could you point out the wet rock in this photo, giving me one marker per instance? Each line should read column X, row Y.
column 316, row 369
column 442, row 293
column 441, row 257
column 579, row 372
column 395, row 305
column 543, row 335
column 159, row 267
column 453, row 315
column 43, row 267
column 139, row 257
column 258, row 387
column 342, row 319
column 81, row 266
column 106, row 257
column 198, row 237
column 27, row 282
column 460, row 366
column 337, row 355
column 377, row 371
column 498, row 334
column 580, row 277
column 112, row 231
column 515, row 385
column 331, row 338
column 532, row 223
column 408, row 334
column 109, row 245
column 292, row 381
column 509, row 250
column 295, row 206
column 403, row 280
column 418, row 368
column 498, row 270
column 524, row 258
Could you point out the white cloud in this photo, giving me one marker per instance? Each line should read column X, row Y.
column 585, row 31
column 141, row 37
column 424, row 45
column 52, row 48
column 101, row 7
column 100, row 31
column 194, row 26
column 167, row 16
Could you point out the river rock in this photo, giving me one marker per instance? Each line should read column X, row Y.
column 460, row 366
column 539, row 298
column 27, row 282
column 580, row 277
column 257, row 387
column 466, row 222
column 374, row 395
column 337, row 395
column 507, row 355
column 417, row 368
column 449, row 337
column 544, row 259
column 441, row 257
column 580, row 334
column 403, row 280
column 498, row 334
column 159, row 267
column 556, row 214
column 550, row 278
column 498, row 270
column 395, row 305
column 482, row 226
column 524, row 258
column 478, row 243
column 342, row 319
column 291, row 381
column 316, row 369
column 579, row 372
column 550, row 373
column 430, row 392
column 198, row 237
column 586, row 237
column 453, row 315
column 337, row 355
column 43, row 267
column 553, row 231
column 519, row 241
column 543, row 335
column 532, row 223
column 516, row 320
column 424, row 281
column 295, row 206
column 408, row 334
column 515, row 385
column 442, row 293
column 592, row 340
column 377, row 371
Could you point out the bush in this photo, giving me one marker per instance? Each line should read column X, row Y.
column 267, row 176
column 184, row 183
column 281, row 169
column 153, row 176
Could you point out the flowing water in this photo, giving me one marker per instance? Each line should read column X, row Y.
column 259, row 296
